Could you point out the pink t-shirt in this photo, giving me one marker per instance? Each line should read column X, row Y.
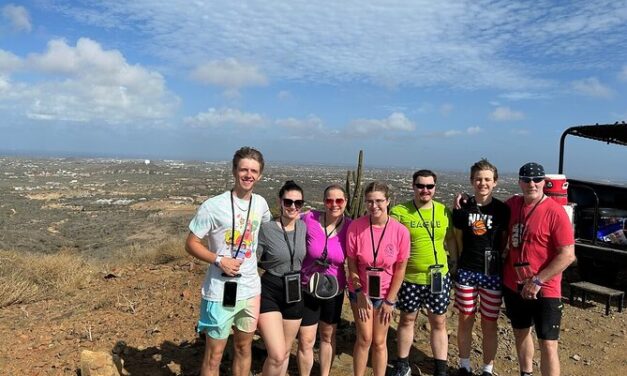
column 547, row 229
column 336, row 249
column 394, row 248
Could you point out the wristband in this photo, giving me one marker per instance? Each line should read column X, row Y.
column 389, row 302
column 536, row 281
column 217, row 261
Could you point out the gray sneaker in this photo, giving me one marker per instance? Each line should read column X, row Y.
column 401, row 369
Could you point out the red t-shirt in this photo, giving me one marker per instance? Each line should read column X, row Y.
column 545, row 230
column 394, row 248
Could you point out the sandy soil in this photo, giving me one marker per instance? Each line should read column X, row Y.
column 147, row 316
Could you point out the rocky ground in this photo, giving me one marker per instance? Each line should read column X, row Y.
column 146, row 315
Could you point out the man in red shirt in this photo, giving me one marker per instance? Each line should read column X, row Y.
column 541, row 247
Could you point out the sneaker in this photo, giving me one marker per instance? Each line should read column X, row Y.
column 463, row 371
column 486, row 373
column 401, row 369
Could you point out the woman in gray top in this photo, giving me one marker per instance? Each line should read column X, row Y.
column 280, row 252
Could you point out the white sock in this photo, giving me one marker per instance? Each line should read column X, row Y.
column 465, row 363
column 488, row 367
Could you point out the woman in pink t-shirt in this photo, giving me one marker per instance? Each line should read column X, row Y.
column 326, row 239
column 377, row 252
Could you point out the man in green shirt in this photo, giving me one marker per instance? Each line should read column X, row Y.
column 427, row 282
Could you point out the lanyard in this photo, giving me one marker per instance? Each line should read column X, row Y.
column 289, row 247
column 327, row 235
column 250, row 203
column 375, row 251
column 432, row 232
column 521, row 234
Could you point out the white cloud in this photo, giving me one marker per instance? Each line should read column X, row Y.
column 623, row 74
column 397, row 121
column 229, row 74
column 520, row 132
column 592, row 87
column 284, row 95
column 446, row 109
column 17, row 16
column 310, row 128
column 85, row 83
column 523, row 95
column 474, row 130
column 455, row 132
column 8, row 62
column 503, row 113
column 225, row 117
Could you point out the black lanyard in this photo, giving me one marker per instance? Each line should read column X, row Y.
column 327, row 235
column 432, row 232
column 250, row 203
column 521, row 234
column 289, row 247
column 375, row 251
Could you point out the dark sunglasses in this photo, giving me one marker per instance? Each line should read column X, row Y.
column 289, row 202
column 337, row 201
column 529, row 179
column 423, row 186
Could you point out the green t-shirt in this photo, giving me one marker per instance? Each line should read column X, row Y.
column 422, row 255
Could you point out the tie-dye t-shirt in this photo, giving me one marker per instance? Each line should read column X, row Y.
column 213, row 222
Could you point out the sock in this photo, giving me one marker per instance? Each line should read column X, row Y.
column 488, row 367
column 464, row 363
column 441, row 367
column 403, row 360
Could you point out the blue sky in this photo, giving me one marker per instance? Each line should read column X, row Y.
column 418, row 84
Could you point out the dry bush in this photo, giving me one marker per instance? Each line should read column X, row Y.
column 169, row 250
column 28, row 277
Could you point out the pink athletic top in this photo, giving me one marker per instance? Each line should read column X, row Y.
column 336, row 248
column 394, row 248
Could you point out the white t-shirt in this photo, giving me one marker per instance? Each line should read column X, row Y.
column 213, row 221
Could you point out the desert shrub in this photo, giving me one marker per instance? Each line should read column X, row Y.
column 28, row 277
column 169, row 250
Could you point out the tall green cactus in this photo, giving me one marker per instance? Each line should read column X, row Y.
column 354, row 189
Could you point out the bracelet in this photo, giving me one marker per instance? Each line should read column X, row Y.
column 536, row 281
column 389, row 302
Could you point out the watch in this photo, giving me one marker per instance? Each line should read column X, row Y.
column 217, row 261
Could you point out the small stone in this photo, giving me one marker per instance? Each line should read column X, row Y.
column 576, row 357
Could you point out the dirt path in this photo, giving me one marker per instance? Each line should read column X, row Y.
column 147, row 316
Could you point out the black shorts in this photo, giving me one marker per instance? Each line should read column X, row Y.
column 327, row 310
column 273, row 298
column 544, row 313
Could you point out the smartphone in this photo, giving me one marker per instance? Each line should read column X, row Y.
column 437, row 279
column 230, row 294
column 292, row 286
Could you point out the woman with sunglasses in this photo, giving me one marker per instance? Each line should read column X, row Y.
column 377, row 253
column 326, row 239
column 280, row 252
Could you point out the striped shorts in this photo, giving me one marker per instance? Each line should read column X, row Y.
column 469, row 285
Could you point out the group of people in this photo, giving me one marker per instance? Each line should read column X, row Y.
column 407, row 257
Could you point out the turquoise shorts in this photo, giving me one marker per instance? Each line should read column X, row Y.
column 216, row 320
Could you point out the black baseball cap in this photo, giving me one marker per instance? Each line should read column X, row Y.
column 531, row 170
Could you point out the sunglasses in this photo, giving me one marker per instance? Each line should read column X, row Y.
column 331, row 201
column 529, row 179
column 289, row 202
column 423, row 186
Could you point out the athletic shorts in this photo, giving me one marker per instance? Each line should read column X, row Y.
column 376, row 302
column 411, row 297
column 469, row 285
column 273, row 298
column 544, row 313
column 326, row 310
column 217, row 320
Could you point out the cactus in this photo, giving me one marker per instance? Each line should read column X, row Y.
column 354, row 189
